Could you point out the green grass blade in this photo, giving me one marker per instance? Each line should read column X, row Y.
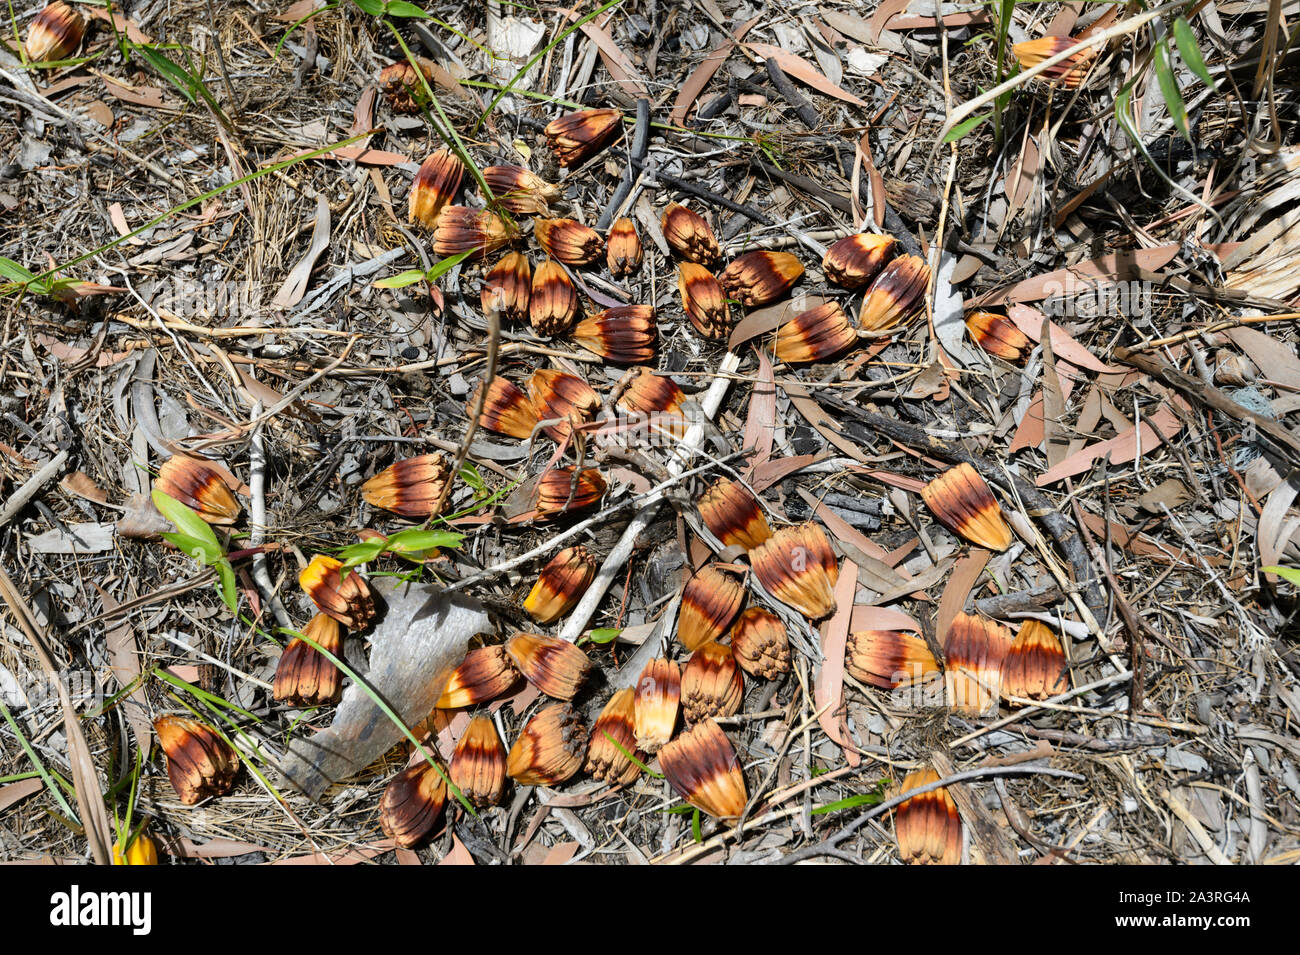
column 1169, row 88
column 964, row 127
column 36, row 761
column 1190, row 51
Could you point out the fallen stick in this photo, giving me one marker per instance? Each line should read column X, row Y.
column 710, row 404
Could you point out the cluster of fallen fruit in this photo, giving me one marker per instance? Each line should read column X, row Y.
column 795, row 565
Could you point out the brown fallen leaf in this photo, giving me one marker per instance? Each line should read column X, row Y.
column 961, row 581
column 80, row 484
column 150, row 97
column 828, row 685
column 700, row 76
column 1113, row 265
column 1122, row 448
column 1064, row 346
column 14, row 792
column 774, row 471
column 1171, row 494
column 458, row 855
column 805, row 72
column 124, row 663
column 880, row 19
column 1275, row 358
column 620, row 66
column 760, row 422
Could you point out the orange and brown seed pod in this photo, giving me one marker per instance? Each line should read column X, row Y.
column 200, row 487
column 435, row 186
column 401, row 85
column 896, row 295
column 963, row 502
column 927, row 826
column 654, row 709
column 484, row 674
column 141, row 851
column 732, row 513
column 304, row 677
column 460, row 229
column 711, row 683
column 711, row 600
column 1035, row 666
column 624, row 335
column 701, row 765
column 797, row 566
column 760, row 644
column 649, row 393
column 757, row 278
column 567, row 490
column 346, row 599
column 1069, row 72
column 412, row 803
column 974, row 651
column 689, row 235
column 411, row 487
column 657, row 400
column 578, row 136
column 55, row 34
column 561, row 584
column 478, row 765
column 703, row 301
column 520, row 190
column 199, row 762
column 889, row 658
column 855, row 260
column 550, row 747
column 815, row 335
column 997, row 335
column 560, row 395
column 605, row 760
column 569, row 241
column 507, row 287
column 554, row 666
column 623, row 250
column 554, row 303
column 507, row 410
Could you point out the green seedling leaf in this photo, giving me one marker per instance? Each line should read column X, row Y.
column 226, row 573
column 1169, row 88
column 695, row 828
column 400, row 280
column 170, row 71
column 964, row 127
column 400, row 8
column 205, row 552
column 444, row 266
column 862, row 799
column 1289, row 574
column 469, row 474
column 15, row 272
column 413, row 540
column 604, row 634
column 1190, row 51
column 186, row 519
column 373, row 7
column 362, row 553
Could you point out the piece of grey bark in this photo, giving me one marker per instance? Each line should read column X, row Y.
column 420, row 640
